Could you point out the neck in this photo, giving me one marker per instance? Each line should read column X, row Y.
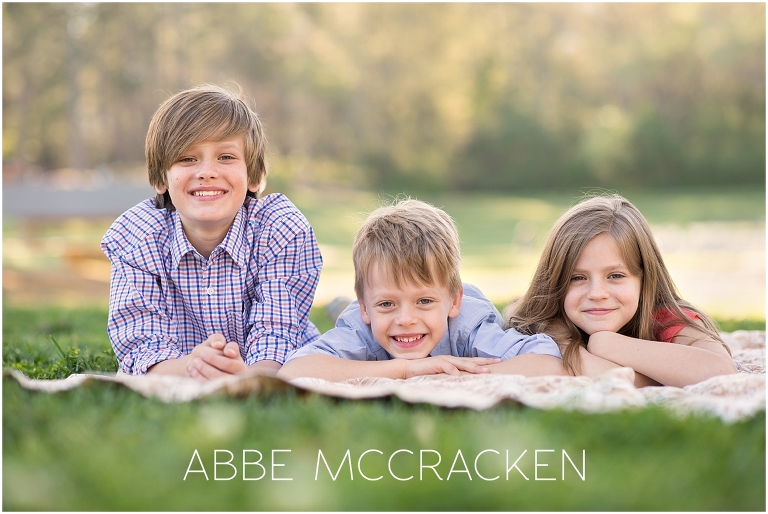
column 204, row 238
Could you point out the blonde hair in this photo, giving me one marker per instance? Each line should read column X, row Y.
column 541, row 309
column 411, row 240
column 206, row 113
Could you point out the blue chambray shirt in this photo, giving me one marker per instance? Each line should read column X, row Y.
column 476, row 332
column 256, row 287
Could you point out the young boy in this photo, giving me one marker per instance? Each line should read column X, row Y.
column 413, row 316
column 208, row 279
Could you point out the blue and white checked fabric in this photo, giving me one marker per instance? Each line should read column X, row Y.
column 256, row 288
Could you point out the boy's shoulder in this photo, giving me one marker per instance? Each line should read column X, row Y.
column 276, row 209
column 139, row 223
column 476, row 308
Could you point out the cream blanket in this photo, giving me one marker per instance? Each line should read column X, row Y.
column 729, row 397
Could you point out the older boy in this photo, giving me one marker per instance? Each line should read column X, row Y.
column 208, row 279
column 413, row 316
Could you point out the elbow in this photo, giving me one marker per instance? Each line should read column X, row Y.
column 550, row 365
column 726, row 366
column 286, row 372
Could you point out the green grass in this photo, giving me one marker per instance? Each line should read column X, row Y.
column 486, row 219
column 106, row 448
column 103, row 447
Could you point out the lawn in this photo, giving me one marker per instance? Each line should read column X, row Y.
column 103, row 447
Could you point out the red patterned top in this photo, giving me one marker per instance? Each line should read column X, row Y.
column 664, row 316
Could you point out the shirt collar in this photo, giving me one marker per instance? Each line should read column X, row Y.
column 232, row 243
column 180, row 245
column 444, row 346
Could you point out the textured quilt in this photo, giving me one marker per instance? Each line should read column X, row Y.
column 729, row 397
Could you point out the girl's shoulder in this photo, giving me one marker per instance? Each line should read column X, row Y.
column 669, row 322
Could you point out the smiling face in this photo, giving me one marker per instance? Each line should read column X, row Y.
column 602, row 293
column 408, row 320
column 208, row 184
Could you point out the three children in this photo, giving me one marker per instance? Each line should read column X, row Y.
column 208, row 279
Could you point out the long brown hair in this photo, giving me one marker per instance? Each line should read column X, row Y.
column 541, row 309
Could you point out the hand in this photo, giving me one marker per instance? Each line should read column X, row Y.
column 215, row 358
column 448, row 365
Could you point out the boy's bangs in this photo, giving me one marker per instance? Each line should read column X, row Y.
column 421, row 272
column 227, row 125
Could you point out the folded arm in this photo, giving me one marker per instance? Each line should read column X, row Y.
column 529, row 365
column 674, row 364
column 335, row 368
column 592, row 366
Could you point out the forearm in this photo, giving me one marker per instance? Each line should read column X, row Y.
column 334, row 369
column 667, row 363
column 176, row 367
column 529, row 365
column 266, row 367
column 592, row 366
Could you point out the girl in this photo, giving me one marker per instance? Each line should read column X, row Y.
column 602, row 291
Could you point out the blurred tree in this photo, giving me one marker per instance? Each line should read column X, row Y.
column 457, row 95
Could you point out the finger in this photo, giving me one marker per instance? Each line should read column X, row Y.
column 450, row 369
column 205, row 349
column 217, row 341
column 232, row 350
column 227, row 365
column 482, row 360
column 471, row 367
column 206, row 370
column 193, row 373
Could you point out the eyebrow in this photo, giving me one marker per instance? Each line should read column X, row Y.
column 606, row 268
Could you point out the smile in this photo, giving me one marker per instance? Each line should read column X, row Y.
column 207, row 193
column 599, row 312
column 408, row 341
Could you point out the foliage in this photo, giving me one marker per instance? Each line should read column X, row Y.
column 437, row 96
column 34, row 342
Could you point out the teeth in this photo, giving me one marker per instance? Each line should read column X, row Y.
column 207, row 193
column 407, row 339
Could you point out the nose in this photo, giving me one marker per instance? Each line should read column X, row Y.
column 405, row 316
column 597, row 290
column 207, row 169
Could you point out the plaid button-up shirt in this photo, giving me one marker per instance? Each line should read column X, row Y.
column 256, row 288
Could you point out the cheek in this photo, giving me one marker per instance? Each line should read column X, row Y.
column 570, row 301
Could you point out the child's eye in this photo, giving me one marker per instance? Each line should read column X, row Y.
column 577, row 277
column 616, row 275
column 425, row 301
column 385, row 305
column 227, row 157
column 187, row 159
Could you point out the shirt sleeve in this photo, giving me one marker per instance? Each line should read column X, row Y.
column 490, row 340
column 289, row 269
column 341, row 342
column 674, row 324
column 136, row 324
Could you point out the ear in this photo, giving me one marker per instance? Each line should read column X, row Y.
column 161, row 189
column 456, row 303
column 364, row 311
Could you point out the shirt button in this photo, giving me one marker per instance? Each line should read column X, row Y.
column 210, row 290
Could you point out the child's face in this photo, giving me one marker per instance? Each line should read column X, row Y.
column 208, row 184
column 407, row 321
column 602, row 293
